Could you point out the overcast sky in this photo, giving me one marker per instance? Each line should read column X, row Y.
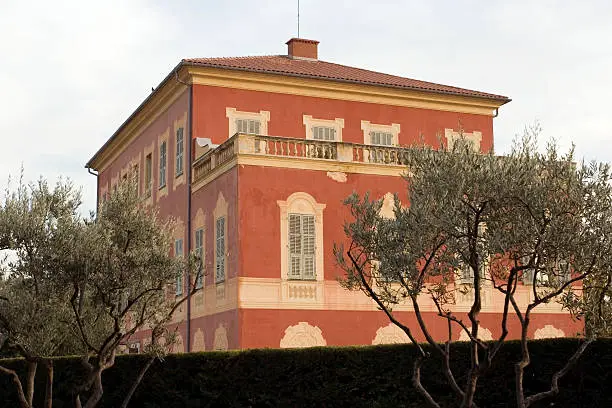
column 71, row 71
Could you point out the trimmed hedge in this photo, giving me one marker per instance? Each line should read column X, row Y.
column 331, row 377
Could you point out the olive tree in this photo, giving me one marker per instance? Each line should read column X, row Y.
column 95, row 281
column 474, row 222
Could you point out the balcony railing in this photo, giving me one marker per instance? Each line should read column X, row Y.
column 300, row 149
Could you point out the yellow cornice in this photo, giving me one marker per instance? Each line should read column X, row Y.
column 301, row 164
column 279, row 83
column 168, row 91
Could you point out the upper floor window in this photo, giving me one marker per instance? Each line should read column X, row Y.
column 178, row 252
column 220, row 250
column 248, row 126
column 162, row 164
column 179, row 151
column 247, row 122
column 199, row 251
column 323, row 129
column 473, row 138
column 301, row 246
column 323, row 133
column 148, row 175
column 381, row 135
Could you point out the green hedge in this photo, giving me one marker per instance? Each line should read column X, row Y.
column 332, row 377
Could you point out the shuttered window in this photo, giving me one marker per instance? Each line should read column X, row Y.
column 148, row 175
column 323, row 133
column 301, row 246
column 179, row 151
column 178, row 252
column 381, row 138
column 199, row 250
column 220, row 250
column 162, row 164
column 248, row 126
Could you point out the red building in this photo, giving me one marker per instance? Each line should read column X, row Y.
column 253, row 156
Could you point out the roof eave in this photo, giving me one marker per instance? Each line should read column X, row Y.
column 499, row 98
column 91, row 162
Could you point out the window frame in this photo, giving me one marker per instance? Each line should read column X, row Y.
column 303, row 257
column 233, row 115
column 199, row 250
column 368, row 128
column 220, row 249
column 179, row 284
column 179, row 152
column 311, row 123
column 163, row 163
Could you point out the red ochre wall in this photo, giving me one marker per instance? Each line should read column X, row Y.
column 286, row 116
column 261, row 187
column 266, row 328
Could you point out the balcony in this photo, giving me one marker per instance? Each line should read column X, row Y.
column 295, row 149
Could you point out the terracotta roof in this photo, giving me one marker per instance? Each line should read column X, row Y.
column 284, row 65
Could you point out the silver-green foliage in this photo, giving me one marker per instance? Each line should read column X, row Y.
column 473, row 221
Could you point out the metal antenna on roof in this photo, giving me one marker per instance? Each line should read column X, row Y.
column 298, row 18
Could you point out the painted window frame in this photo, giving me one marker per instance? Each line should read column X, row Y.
column 179, row 153
column 311, row 123
column 233, row 115
column 220, row 249
column 199, row 237
column 179, row 253
column 163, row 164
column 474, row 137
column 368, row 128
column 301, row 203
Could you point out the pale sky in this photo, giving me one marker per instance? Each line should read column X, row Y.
column 71, row 71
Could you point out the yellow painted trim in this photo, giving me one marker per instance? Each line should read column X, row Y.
column 302, row 164
column 276, row 83
column 165, row 97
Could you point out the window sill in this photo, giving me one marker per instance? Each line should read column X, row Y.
column 178, row 175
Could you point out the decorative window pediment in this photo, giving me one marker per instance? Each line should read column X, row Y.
column 323, row 129
column 381, row 135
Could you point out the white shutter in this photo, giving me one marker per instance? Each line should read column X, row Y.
column 302, row 254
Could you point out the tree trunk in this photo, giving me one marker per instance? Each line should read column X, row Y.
column 23, row 402
column 49, row 387
column 31, row 375
column 137, row 382
column 96, row 393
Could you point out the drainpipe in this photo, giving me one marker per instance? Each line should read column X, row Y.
column 90, row 171
column 189, row 162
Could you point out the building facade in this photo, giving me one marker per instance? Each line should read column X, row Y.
column 253, row 156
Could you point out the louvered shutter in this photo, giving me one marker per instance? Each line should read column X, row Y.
column 308, row 244
column 295, row 246
column 220, row 249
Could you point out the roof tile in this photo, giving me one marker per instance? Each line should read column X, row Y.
column 284, row 65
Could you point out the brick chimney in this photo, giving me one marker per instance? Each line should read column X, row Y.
column 302, row 48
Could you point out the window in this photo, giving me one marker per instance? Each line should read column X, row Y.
column 220, row 250
column 473, row 138
column 178, row 252
column 148, row 175
column 247, row 122
column 301, row 246
column 136, row 177
column 199, row 250
column 179, row 151
column 162, row 165
column 323, row 133
column 248, row 126
column 381, row 138
column 379, row 134
column 323, row 129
